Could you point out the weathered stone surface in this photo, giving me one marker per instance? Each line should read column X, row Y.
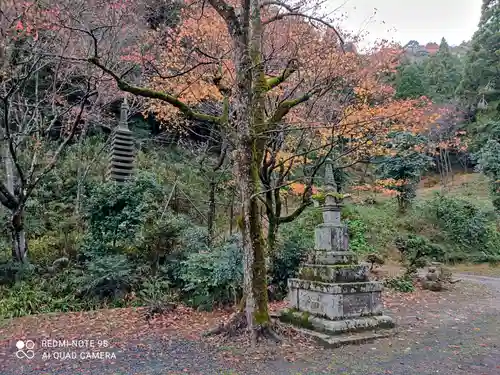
column 338, row 327
column 332, row 294
column 435, row 286
column 338, row 288
column 331, row 237
column 337, row 341
column 121, row 160
column 332, row 257
column 335, row 301
column 357, row 304
column 334, row 273
column 331, row 215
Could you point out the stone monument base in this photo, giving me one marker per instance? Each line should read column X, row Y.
column 335, row 301
column 335, row 333
column 337, row 313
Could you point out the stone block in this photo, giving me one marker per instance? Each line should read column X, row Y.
column 331, row 237
column 337, row 327
column 335, row 301
column 334, row 273
column 331, row 216
column 332, row 257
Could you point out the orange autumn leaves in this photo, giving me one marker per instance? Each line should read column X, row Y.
column 349, row 98
column 297, row 188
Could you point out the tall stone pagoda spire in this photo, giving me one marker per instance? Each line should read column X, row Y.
column 332, row 296
column 121, row 161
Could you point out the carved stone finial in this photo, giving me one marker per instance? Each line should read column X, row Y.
column 124, row 114
column 329, row 179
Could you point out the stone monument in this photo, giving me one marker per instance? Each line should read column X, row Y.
column 121, row 162
column 332, row 295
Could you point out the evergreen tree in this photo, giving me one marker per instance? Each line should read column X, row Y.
column 410, row 81
column 442, row 74
column 482, row 67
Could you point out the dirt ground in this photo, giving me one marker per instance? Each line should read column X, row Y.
column 453, row 332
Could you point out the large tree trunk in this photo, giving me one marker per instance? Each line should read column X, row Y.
column 250, row 120
column 255, row 287
column 18, row 235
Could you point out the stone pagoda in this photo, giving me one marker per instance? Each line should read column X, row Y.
column 121, row 161
column 332, row 298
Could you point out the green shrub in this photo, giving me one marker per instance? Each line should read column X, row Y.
column 295, row 240
column 400, row 283
column 38, row 296
column 213, row 277
column 489, row 163
column 284, row 263
column 417, row 251
column 107, row 278
column 466, row 226
column 12, row 272
column 357, row 236
column 115, row 213
column 154, row 291
column 51, row 246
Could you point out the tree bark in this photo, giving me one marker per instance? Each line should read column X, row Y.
column 249, row 120
column 255, row 287
column 18, row 236
column 272, row 232
column 211, row 211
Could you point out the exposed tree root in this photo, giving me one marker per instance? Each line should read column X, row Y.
column 237, row 325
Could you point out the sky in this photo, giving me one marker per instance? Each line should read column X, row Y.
column 401, row 21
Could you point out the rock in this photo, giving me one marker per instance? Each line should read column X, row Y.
column 374, row 259
column 435, row 286
column 60, row 263
column 432, row 276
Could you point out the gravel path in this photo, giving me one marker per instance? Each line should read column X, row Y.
column 458, row 340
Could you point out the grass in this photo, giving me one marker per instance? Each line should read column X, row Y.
column 472, row 187
column 384, row 222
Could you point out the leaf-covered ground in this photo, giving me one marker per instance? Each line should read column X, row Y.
column 454, row 332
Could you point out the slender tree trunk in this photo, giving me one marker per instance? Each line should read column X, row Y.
column 18, row 236
column 211, row 211
column 9, row 174
column 272, row 232
column 231, row 214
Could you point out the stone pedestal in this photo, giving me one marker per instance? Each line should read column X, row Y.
column 332, row 295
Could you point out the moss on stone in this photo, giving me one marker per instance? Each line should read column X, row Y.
column 343, row 266
column 327, row 273
column 297, row 318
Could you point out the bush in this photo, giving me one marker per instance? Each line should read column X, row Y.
column 417, row 251
column 467, row 226
column 400, row 283
column 213, row 277
column 284, row 264
column 489, row 163
column 107, row 278
column 295, row 240
column 12, row 272
column 51, row 246
column 357, row 236
column 154, row 291
column 117, row 212
column 41, row 295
